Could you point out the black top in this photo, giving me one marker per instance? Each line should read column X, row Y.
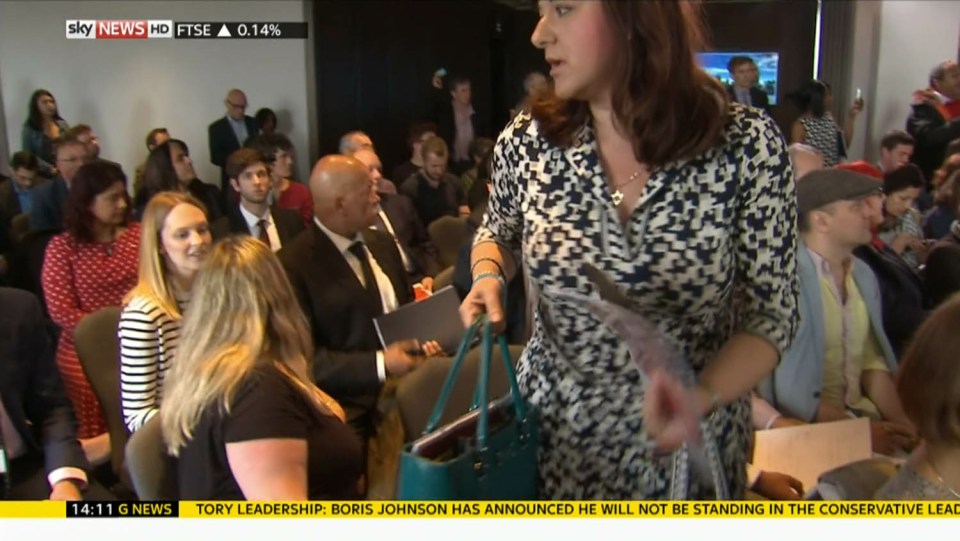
column 902, row 296
column 404, row 171
column 268, row 405
column 432, row 203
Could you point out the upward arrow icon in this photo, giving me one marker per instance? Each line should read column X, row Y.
column 224, row 33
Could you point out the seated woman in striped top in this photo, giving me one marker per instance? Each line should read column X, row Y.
column 175, row 240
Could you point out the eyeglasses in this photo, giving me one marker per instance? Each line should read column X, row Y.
column 237, row 105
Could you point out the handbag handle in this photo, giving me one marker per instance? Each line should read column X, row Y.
column 481, row 391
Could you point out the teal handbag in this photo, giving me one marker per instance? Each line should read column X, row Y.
column 467, row 459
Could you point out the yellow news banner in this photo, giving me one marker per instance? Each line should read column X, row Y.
column 642, row 510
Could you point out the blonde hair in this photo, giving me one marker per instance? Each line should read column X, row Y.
column 153, row 283
column 243, row 315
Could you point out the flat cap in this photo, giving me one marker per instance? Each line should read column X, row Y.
column 824, row 186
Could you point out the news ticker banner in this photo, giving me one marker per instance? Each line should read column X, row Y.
column 496, row 510
column 162, row 29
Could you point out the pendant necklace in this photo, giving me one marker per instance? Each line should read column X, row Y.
column 617, row 194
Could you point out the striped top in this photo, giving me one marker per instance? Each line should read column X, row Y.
column 148, row 340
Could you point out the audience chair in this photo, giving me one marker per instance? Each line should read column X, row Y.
column 98, row 348
column 29, row 259
column 448, row 235
column 443, row 279
column 418, row 391
column 152, row 471
column 19, row 227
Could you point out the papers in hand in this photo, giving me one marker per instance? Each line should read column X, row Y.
column 435, row 318
column 808, row 451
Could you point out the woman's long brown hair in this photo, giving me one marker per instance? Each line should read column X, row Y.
column 669, row 107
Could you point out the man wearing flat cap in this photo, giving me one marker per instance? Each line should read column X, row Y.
column 840, row 365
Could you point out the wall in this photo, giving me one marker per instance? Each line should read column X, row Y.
column 125, row 88
column 896, row 45
column 784, row 26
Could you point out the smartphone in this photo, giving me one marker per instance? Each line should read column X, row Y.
column 859, row 95
column 442, row 72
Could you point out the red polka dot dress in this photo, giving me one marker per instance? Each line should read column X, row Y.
column 79, row 279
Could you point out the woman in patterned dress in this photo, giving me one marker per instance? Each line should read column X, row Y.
column 91, row 265
column 640, row 166
column 816, row 126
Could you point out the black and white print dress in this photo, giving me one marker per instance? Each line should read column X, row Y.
column 823, row 134
column 703, row 227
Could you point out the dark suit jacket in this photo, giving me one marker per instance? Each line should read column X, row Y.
column 904, row 303
column 446, row 123
column 223, row 142
column 288, row 223
column 932, row 133
column 758, row 98
column 344, row 336
column 48, row 201
column 30, row 384
column 412, row 234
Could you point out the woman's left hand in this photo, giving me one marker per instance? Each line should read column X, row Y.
column 671, row 412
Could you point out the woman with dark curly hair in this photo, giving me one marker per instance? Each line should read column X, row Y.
column 91, row 265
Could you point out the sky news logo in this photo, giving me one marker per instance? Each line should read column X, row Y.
column 119, row 29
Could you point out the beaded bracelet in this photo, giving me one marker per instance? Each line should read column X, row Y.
column 484, row 275
column 490, row 259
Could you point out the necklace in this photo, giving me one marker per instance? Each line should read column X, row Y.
column 617, row 194
column 940, row 479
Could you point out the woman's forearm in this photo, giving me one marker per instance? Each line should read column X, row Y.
column 741, row 364
column 492, row 257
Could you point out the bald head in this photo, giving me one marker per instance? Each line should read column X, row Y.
column 236, row 103
column 344, row 195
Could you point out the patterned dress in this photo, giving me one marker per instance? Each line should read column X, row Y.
column 823, row 134
column 79, row 279
column 721, row 221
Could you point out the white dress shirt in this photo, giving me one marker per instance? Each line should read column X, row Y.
column 15, row 448
column 253, row 224
column 388, row 296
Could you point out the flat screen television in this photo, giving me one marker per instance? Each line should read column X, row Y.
column 767, row 64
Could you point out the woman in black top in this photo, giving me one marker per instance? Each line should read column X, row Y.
column 240, row 410
column 169, row 168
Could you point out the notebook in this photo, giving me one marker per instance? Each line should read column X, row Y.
column 434, row 318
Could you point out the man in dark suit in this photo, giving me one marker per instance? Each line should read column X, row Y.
column 745, row 75
column 457, row 121
column 16, row 197
column 228, row 134
column 48, row 199
column 38, row 430
column 397, row 217
column 250, row 176
column 345, row 274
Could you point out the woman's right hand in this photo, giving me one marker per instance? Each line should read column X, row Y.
column 484, row 298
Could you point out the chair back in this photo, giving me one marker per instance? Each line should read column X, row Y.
column 152, row 471
column 19, row 227
column 98, row 348
column 443, row 279
column 30, row 253
column 418, row 391
column 448, row 234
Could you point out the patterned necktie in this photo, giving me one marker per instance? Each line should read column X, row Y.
column 264, row 237
column 373, row 292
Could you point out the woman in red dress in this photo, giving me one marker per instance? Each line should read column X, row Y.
column 91, row 265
